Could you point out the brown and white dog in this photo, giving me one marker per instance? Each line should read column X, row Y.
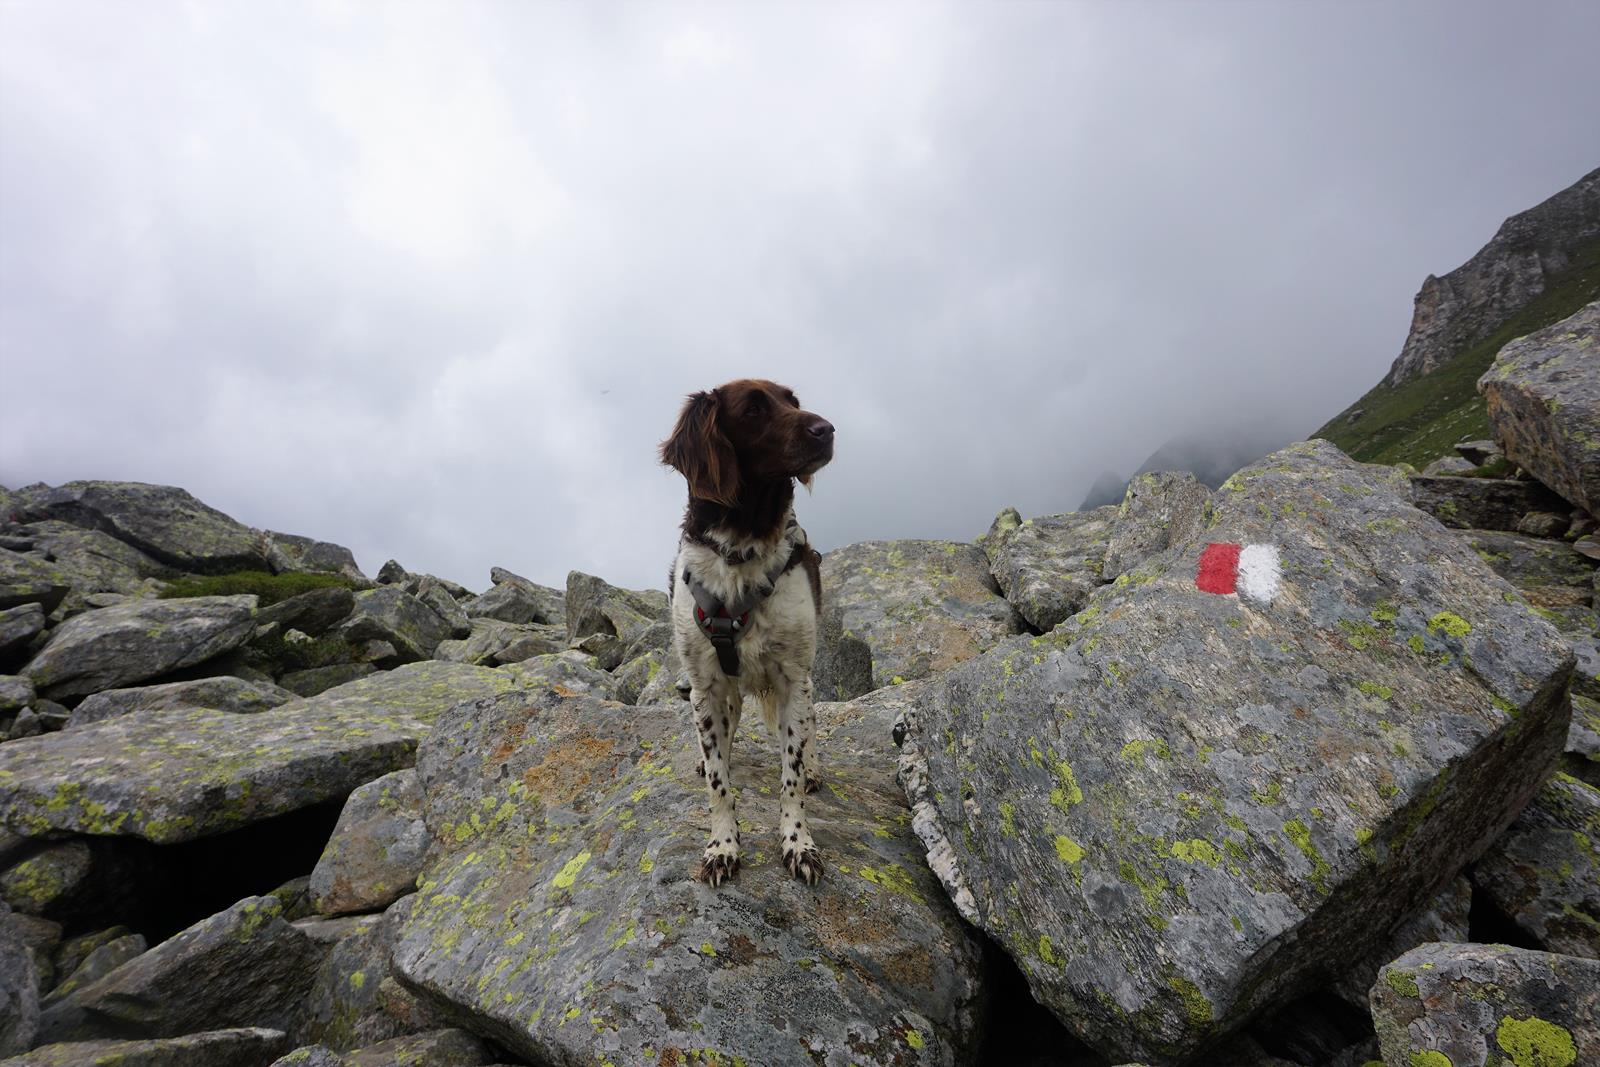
column 746, row 590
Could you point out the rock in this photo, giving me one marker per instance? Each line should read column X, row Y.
column 290, row 553
column 395, row 616
column 1543, row 524
column 1471, row 1005
column 30, row 579
column 1445, row 918
column 26, row 724
column 242, row 1047
column 1182, row 807
column 457, row 591
column 49, row 882
column 95, row 562
column 18, row 626
column 99, row 963
column 1543, row 394
column 391, row 573
column 437, row 1048
column 376, row 851
column 19, row 990
column 433, row 593
column 1544, row 872
column 1549, row 574
column 16, row 692
column 1162, row 509
column 1449, row 465
column 1527, row 255
column 1480, row 503
column 346, row 1007
column 295, row 896
column 70, row 953
column 312, row 1056
column 920, row 606
column 635, row 676
column 1582, row 757
column 493, row 642
column 171, row 776
column 310, row 682
column 116, row 646
column 244, row 966
column 566, row 673
column 163, row 522
column 514, row 599
column 1478, row 453
column 313, row 613
column 218, row 694
column 594, row 606
column 40, row 938
column 1046, row 567
column 842, row 669
column 567, row 829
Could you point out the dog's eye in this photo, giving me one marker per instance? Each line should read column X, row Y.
column 791, row 398
column 757, row 406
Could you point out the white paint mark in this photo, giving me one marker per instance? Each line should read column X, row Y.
column 1259, row 572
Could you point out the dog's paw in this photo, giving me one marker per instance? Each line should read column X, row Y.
column 813, row 784
column 720, row 863
column 804, row 863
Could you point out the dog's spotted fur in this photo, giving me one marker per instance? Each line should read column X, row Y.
column 741, row 447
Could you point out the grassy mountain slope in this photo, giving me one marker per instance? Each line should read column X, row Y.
column 1418, row 421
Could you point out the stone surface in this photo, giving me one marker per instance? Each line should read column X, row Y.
column 1526, row 254
column 291, row 553
column 595, row 606
column 432, row 592
column 1480, row 503
column 16, row 692
column 19, row 989
column 1181, row 807
column 393, row 615
column 1582, row 757
column 376, row 851
column 1445, row 918
column 1161, row 509
column 1551, row 575
column 49, row 881
column 514, row 599
column 127, row 643
column 919, row 606
column 100, row 962
column 492, row 642
column 565, row 673
column 241, row 1047
column 1449, row 465
column 560, row 918
column 1543, row 394
column 635, row 676
column 346, row 1006
column 314, row 680
column 163, row 522
column 314, row 612
column 1480, row 1005
column 1544, row 872
column 18, row 626
column 244, row 966
column 223, row 693
column 1047, row 567
column 176, row 775
column 71, row 952
column 31, row 579
column 437, row 1048
column 95, row 561
column 40, row 938
column 311, row 1056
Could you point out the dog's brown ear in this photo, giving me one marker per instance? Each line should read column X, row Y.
column 700, row 451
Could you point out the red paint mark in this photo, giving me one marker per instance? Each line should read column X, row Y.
column 1219, row 568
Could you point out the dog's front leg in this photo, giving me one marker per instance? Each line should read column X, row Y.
column 796, row 725
column 713, row 718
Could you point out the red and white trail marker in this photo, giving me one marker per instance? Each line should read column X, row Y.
column 1251, row 571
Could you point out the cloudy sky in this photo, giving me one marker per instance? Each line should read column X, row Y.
column 431, row 280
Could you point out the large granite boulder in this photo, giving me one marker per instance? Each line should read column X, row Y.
column 1543, row 394
column 354, row 999
column 291, row 553
column 389, row 613
column 1235, row 770
column 613, row 623
column 1544, row 872
column 513, row 598
column 126, row 643
column 1446, row 918
column 222, row 693
column 1480, row 503
column 561, row 920
column 920, row 606
column 29, row 578
column 95, row 561
column 101, row 961
column 491, row 642
column 163, row 522
column 1161, row 509
column 19, row 989
column 566, row 673
column 1047, row 566
column 376, row 850
column 1487, row 1006
column 18, row 626
column 244, row 966
column 248, row 1046
column 1551, row 575
column 314, row 612
column 176, row 775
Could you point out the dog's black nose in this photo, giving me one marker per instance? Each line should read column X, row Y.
column 821, row 429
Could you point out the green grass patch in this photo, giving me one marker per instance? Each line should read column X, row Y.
column 276, row 656
column 270, row 588
column 1419, row 421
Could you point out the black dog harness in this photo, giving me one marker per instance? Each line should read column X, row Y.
column 724, row 623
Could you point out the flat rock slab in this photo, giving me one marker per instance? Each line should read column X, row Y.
column 243, row 1047
column 1544, row 872
column 244, row 966
column 96, row 561
column 126, row 643
column 1543, row 394
column 920, row 606
column 376, row 850
column 176, row 775
column 217, row 694
column 1047, row 566
column 390, row 614
column 29, row 578
column 1487, row 1006
column 561, row 919
column 1480, row 503
column 1160, row 509
column 1183, row 806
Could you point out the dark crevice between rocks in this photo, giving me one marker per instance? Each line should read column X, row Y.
column 1021, row 1032
column 1314, row 1029
column 1487, row 924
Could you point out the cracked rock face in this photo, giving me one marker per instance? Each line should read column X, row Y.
column 1182, row 806
column 1048, row 566
column 560, row 917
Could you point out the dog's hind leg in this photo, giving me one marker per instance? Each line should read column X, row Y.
column 713, row 720
column 796, row 726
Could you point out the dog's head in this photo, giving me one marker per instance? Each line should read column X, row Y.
column 749, row 430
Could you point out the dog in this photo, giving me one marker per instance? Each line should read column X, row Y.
column 746, row 590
